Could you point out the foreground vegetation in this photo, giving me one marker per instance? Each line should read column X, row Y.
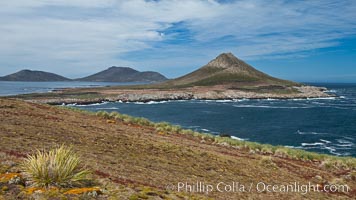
column 46, row 175
column 58, row 167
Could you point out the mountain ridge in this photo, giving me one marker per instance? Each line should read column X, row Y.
column 116, row 74
column 124, row 74
column 33, row 75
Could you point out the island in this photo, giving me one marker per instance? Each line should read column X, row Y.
column 225, row 77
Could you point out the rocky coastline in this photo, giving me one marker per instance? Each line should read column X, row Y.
column 126, row 95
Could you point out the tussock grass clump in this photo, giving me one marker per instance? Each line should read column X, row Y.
column 187, row 132
column 144, row 122
column 58, row 167
column 112, row 114
column 126, row 118
column 167, row 127
column 103, row 114
column 267, row 161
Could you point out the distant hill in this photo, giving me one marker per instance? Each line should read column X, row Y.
column 226, row 69
column 29, row 75
column 124, row 74
column 112, row 74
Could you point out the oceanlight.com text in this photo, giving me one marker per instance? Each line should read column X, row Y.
column 259, row 187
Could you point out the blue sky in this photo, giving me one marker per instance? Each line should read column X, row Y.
column 310, row 41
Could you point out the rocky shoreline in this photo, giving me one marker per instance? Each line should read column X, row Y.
column 148, row 95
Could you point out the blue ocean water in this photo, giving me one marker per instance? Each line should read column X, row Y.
column 326, row 125
column 322, row 125
column 16, row 87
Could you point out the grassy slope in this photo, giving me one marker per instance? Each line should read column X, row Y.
column 132, row 155
column 226, row 69
column 210, row 76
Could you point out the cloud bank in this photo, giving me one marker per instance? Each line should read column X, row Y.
column 83, row 36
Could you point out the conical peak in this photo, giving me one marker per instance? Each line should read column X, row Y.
column 227, row 55
column 225, row 60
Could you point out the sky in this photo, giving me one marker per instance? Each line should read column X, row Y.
column 308, row 41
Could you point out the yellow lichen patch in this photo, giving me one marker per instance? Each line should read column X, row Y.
column 161, row 133
column 32, row 190
column 7, row 177
column 83, row 190
column 111, row 121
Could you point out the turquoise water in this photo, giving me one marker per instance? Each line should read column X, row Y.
column 326, row 125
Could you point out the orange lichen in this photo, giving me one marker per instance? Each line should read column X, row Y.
column 31, row 190
column 83, row 190
column 111, row 121
column 7, row 177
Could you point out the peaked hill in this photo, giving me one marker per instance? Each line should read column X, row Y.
column 124, row 74
column 29, row 75
column 226, row 69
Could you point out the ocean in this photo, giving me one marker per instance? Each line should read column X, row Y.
column 8, row 88
column 325, row 125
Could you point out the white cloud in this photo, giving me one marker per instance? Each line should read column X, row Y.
column 83, row 36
